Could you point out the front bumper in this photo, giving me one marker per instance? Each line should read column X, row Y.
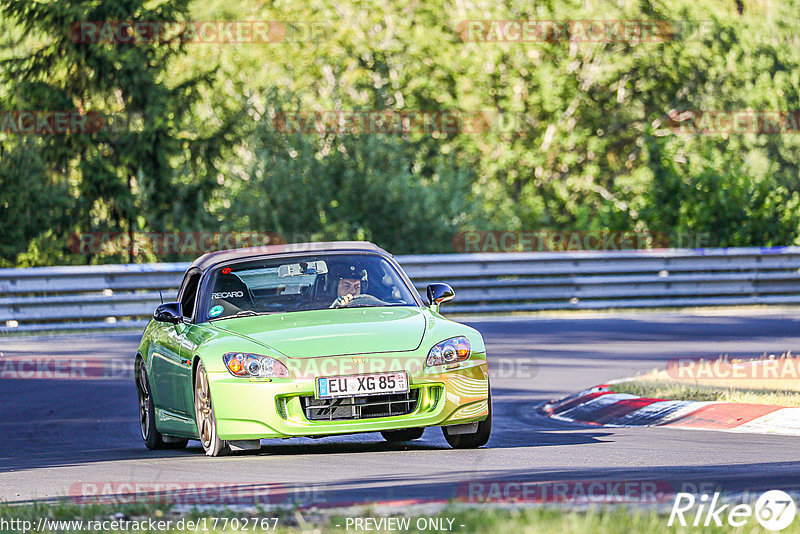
column 248, row 409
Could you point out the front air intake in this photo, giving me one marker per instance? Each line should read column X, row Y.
column 352, row 408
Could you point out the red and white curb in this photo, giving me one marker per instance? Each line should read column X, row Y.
column 601, row 406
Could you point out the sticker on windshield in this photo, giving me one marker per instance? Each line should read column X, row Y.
column 227, row 295
column 215, row 311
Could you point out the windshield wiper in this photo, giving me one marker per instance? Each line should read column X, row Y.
column 245, row 313
column 242, row 313
column 248, row 313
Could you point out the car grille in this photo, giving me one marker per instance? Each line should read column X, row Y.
column 359, row 407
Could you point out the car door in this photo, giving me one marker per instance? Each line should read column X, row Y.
column 172, row 363
column 184, row 384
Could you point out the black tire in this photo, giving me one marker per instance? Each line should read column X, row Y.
column 204, row 415
column 153, row 439
column 475, row 440
column 408, row 434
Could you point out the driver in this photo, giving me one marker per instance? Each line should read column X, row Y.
column 348, row 286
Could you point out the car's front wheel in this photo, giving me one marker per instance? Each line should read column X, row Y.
column 153, row 439
column 408, row 434
column 204, row 412
column 475, row 439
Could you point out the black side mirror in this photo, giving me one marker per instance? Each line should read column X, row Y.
column 438, row 293
column 169, row 313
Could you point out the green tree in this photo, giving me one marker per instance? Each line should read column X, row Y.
column 404, row 195
column 123, row 176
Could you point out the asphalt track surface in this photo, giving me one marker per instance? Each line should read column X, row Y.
column 60, row 434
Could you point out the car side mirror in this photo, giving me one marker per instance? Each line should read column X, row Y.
column 169, row 313
column 439, row 293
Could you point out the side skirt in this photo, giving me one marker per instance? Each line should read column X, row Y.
column 173, row 424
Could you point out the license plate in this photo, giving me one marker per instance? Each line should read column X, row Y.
column 357, row 385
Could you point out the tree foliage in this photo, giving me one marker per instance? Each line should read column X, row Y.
column 593, row 146
column 121, row 175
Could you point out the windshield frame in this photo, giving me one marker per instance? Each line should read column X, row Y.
column 208, row 275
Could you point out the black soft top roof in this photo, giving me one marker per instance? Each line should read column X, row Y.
column 214, row 258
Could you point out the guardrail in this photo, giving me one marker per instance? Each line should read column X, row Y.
column 65, row 298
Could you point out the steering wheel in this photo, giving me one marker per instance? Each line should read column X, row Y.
column 363, row 300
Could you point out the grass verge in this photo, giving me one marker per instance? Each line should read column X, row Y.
column 769, row 379
column 700, row 392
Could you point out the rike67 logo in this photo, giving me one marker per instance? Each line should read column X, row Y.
column 774, row 510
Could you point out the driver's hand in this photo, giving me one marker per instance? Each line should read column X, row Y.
column 344, row 300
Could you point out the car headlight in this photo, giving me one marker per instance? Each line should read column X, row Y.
column 451, row 350
column 254, row 365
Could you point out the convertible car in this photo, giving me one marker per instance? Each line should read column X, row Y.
column 313, row 340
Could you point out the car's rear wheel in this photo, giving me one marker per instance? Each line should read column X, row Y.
column 475, row 439
column 153, row 439
column 206, row 420
column 407, row 434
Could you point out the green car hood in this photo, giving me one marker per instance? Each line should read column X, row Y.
column 333, row 332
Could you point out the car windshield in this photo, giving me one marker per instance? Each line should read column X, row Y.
column 311, row 282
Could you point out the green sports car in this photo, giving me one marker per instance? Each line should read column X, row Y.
column 315, row 339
